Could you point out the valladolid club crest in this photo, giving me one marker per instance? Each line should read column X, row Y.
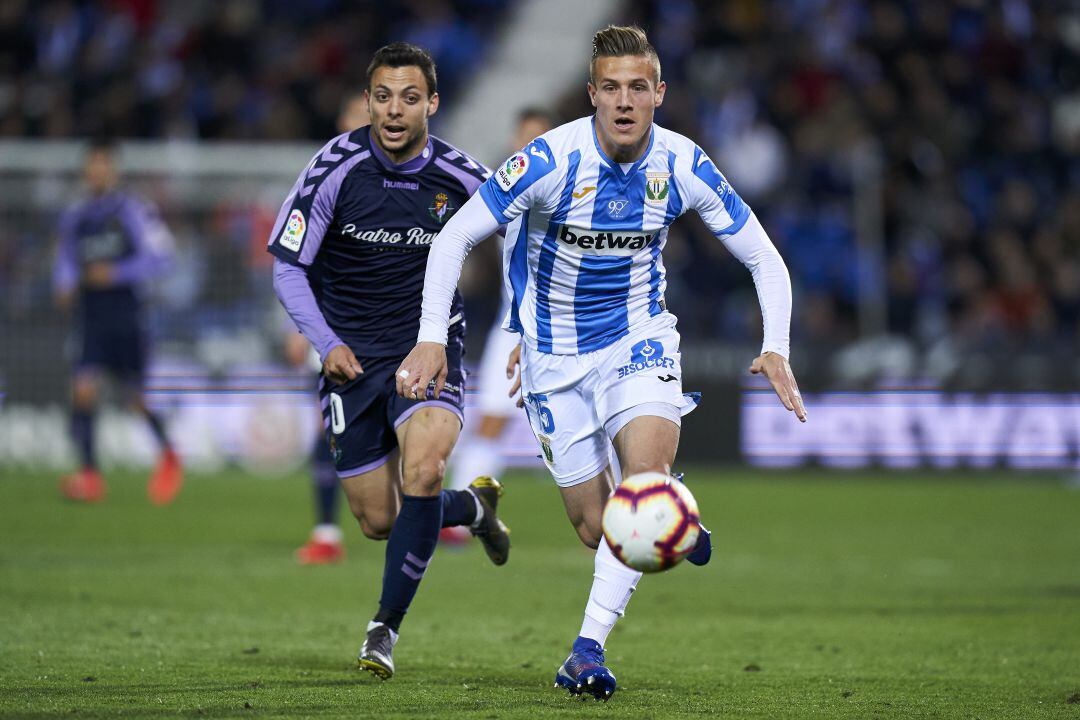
column 440, row 208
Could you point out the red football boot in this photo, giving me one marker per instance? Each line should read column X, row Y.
column 455, row 535
column 324, row 547
column 87, row 486
column 167, row 479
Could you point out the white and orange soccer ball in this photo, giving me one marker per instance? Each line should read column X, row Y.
column 651, row 522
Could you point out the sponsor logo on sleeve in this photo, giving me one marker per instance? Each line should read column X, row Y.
column 292, row 236
column 508, row 175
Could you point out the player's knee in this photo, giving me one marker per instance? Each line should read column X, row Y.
column 376, row 528
column 374, row 524
column 424, row 475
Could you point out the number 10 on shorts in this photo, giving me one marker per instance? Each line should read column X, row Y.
column 337, row 414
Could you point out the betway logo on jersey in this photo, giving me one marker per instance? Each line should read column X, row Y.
column 646, row 355
column 603, row 242
column 412, row 236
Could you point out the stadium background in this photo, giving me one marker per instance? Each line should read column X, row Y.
column 914, row 162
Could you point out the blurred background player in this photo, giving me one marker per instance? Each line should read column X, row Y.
column 110, row 242
column 326, row 544
column 480, row 454
column 350, row 244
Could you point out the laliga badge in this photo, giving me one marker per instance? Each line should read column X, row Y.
column 292, row 236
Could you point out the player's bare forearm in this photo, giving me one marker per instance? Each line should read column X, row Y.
column 775, row 367
column 64, row 300
column 426, row 362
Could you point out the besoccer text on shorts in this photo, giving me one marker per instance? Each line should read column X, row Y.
column 588, row 206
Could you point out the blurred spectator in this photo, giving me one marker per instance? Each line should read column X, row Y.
column 975, row 110
column 245, row 69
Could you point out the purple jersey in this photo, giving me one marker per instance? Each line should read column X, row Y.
column 360, row 227
column 118, row 228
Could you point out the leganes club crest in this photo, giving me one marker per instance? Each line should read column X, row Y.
column 656, row 187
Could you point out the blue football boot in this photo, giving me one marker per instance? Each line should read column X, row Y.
column 702, row 552
column 584, row 671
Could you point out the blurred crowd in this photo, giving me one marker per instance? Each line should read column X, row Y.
column 971, row 110
column 242, row 69
column 916, row 162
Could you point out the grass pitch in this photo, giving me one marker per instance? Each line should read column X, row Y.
column 830, row 596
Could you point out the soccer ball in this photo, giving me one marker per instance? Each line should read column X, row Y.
column 651, row 522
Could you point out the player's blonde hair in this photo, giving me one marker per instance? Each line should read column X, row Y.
column 622, row 40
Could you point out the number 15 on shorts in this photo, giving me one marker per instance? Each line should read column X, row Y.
column 538, row 402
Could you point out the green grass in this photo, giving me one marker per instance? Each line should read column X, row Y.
column 832, row 596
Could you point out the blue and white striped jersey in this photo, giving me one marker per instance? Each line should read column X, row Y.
column 585, row 264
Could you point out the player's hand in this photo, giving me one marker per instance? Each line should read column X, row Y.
column 513, row 372
column 98, row 275
column 776, row 368
column 426, row 362
column 64, row 300
column 341, row 365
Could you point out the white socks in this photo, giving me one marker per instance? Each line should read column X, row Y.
column 479, row 508
column 476, row 457
column 393, row 635
column 326, row 533
column 613, row 583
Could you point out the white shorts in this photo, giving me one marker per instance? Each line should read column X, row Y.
column 494, row 396
column 577, row 403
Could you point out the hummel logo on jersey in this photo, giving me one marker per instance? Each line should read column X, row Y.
column 603, row 242
column 578, row 194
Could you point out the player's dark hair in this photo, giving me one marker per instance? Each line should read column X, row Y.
column 535, row 112
column 619, row 41
column 101, row 144
column 403, row 54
